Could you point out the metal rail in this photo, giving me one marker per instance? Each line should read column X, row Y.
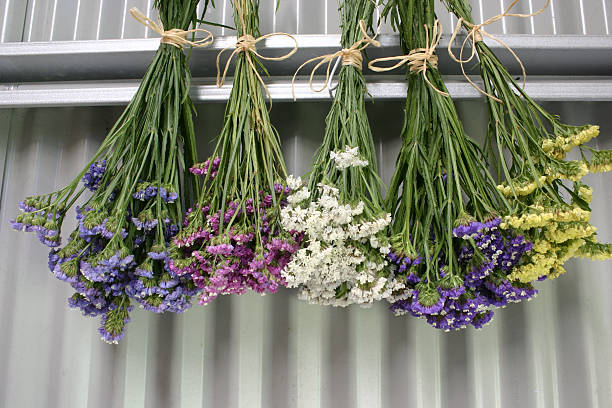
column 120, row 92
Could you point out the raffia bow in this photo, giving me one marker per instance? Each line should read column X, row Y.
column 418, row 59
column 175, row 36
column 350, row 56
column 248, row 45
column 476, row 32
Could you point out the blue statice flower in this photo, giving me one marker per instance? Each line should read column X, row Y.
column 94, row 175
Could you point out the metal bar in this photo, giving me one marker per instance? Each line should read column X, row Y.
column 128, row 59
column 120, row 92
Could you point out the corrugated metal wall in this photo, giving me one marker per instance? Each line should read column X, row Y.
column 276, row 351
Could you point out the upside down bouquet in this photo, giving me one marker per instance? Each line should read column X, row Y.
column 446, row 237
column 118, row 253
column 343, row 259
column 232, row 239
column 550, row 203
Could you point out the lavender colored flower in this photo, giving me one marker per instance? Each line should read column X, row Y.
column 427, row 301
column 482, row 319
column 94, row 175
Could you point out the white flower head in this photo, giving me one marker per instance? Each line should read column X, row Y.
column 349, row 157
column 334, row 254
column 294, row 183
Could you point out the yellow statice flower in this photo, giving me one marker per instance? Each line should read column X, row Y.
column 549, row 264
column 586, row 193
column 559, row 146
column 521, row 189
column 571, row 170
column 538, row 265
column 601, row 161
column 594, row 250
column 542, row 246
column 557, row 271
column 559, row 234
column 541, row 218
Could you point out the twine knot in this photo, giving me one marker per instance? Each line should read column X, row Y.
column 247, row 44
column 475, row 32
column 419, row 59
column 175, row 36
column 350, row 56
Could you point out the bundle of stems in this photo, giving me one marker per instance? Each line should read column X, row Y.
column 138, row 177
column 446, row 207
column 233, row 240
column 550, row 204
column 341, row 211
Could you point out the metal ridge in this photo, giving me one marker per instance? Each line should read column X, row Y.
column 97, row 93
column 128, row 59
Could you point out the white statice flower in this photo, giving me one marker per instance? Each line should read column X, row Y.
column 342, row 255
column 294, row 183
column 349, row 157
column 299, row 196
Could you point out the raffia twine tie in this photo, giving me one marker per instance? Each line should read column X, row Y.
column 350, row 56
column 419, row 59
column 175, row 36
column 475, row 34
column 247, row 44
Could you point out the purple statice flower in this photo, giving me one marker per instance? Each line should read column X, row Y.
column 221, row 250
column 513, row 251
column 144, row 224
column 158, row 252
column 482, row 319
column 87, row 306
column 464, row 231
column 27, row 205
column 493, row 223
column 401, row 307
column 112, row 324
column 16, row 225
column 412, row 279
column 167, row 194
column 91, row 223
column 452, row 293
column 94, row 175
column 145, row 270
column 202, row 169
column 477, row 274
column 427, row 301
column 511, row 292
column 145, row 191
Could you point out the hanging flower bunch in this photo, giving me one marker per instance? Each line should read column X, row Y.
column 232, row 239
column 550, row 204
column 447, row 241
column 118, row 252
column 343, row 257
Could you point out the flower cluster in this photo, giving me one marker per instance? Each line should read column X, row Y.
column 93, row 177
column 559, row 146
column 224, row 259
column 106, row 273
column 39, row 217
column 343, row 260
column 455, row 299
column 349, row 157
column 148, row 190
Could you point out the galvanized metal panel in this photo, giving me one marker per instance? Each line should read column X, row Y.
column 49, row 20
